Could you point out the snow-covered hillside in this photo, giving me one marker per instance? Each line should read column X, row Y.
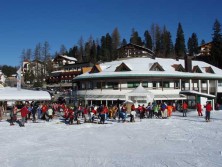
column 174, row 142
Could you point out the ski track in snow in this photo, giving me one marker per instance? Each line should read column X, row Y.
column 174, row 142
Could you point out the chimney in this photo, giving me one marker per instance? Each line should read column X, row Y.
column 188, row 63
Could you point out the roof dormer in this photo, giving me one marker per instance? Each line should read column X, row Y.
column 196, row 69
column 209, row 70
column 178, row 67
column 95, row 69
column 156, row 67
column 122, row 67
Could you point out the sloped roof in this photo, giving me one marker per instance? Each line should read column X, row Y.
column 86, row 69
column 140, row 67
column 69, row 58
column 12, row 94
column 138, row 46
column 65, row 57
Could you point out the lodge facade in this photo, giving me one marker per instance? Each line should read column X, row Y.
column 165, row 79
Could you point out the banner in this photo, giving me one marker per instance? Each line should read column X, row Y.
column 19, row 79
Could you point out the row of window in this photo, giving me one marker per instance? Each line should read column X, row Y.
column 153, row 84
column 70, row 76
column 115, row 85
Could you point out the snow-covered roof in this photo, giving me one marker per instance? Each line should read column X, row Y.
column 69, row 58
column 140, row 67
column 12, row 94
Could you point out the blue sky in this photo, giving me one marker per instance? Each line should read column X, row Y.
column 24, row 23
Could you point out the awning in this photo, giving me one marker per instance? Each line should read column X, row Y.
column 170, row 97
column 192, row 92
column 12, row 94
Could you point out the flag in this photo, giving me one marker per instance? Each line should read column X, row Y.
column 19, row 79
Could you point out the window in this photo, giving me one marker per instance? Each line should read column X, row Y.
column 109, row 84
column 154, row 84
column 220, row 83
column 166, row 84
column 176, row 85
column 83, row 86
column 132, row 84
column 145, row 84
column 112, row 85
column 115, row 85
column 100, row 85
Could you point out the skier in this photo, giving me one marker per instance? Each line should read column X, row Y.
column 49, row 113
column 1, row 111
column 123, row 113
column 199, row 109
column 24, row 111
column 164, row 110
column 185, row 109
column 71, row 116
column 208, row 110
column 132, row 113
column 44, row 110
column 169, row 110
column 13, row 114
column 34, row 110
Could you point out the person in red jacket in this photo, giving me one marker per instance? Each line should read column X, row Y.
column 208, row 110
column 44, row 110
column 199, row 109
column 66, row 113
column 71, row 116
column 185, row 106
column 24, row 111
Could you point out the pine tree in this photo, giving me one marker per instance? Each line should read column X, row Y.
column 46, row 58
column 81, row 50
column 216, row 50
column 180, row 48
column 193, row 45
column 104, row 54
column 124, row 42
column 63, row 50
column 37, row 58
column 135, row 38
column 93, row 53
column 158, row 42
column 166, row 43
column 115, row 42
column 148, row 40
column 202, row 42
column 87, row 51
column 37, row 52
column 109, row 47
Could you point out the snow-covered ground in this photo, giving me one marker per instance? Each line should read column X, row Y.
column 174, row 142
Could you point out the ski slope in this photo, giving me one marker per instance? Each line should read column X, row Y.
column 174, row 142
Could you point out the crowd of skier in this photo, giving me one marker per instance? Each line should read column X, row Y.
column 47, row 111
